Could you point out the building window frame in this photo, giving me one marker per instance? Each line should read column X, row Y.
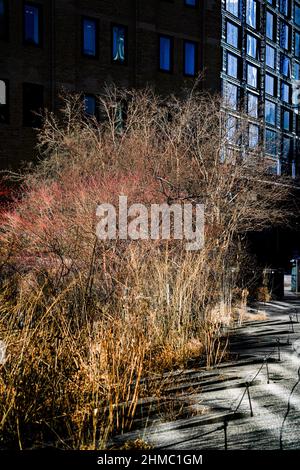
column 4, row 34
column 273, row 66
column 273, row 26
column 196, row 61
column 190, row 5
column 96, row 22
column 4, row 108
column 29, row 119
column 232, row 11
column 39, row 8
column 125, row 28
column 170, row 69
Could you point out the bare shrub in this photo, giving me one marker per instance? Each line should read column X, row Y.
column 84, row 321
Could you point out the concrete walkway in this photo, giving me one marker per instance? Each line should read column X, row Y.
column 210, row 399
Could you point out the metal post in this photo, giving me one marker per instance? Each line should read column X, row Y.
column 249, row 398
column 278, row 345
column 292, row 323
column 225, row 434
column 268, row 375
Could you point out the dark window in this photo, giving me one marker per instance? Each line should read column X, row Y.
column 270, row 112
column 232, row 65
column 297, row 71
column 270, row 84
column 251, row 13
column 285, row 92
column 252, row 105
column 285, row 65
column 284, row 36
column 33, row 102
column 230, row 93
column 3, row 101
column 190, row 58
column 253, row 135
column 270, row 26
column 119, row 44
column 121, row 116
column 90, row 106
column 287, row 147
column 284, row 7
column 286, row 120
column 89, row 37
column 32, row 24
column 297, row 14
column 233, row 7
column 270, row 56
column 191, row 3
column 252, row 49
column 165, row 54
column 3, row 19
column 232, row 34
column 252, row 75
column 297, row 44
column 231, row 129
column 271, row 142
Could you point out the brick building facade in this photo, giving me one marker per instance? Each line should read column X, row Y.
column 249, row 50
column 42, row 51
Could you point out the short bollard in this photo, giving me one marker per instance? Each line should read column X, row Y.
column 268, row 375
column 278, row 346
column 225, row 434
column 249, row 398
column 292, row 324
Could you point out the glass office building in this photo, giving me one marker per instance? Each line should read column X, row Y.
column 261, row 67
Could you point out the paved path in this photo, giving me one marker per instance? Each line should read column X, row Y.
column 208, row 399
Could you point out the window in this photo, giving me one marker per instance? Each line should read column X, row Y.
column 90, row 105
column 121, row 116
column 165, row 54
column 33, row 102
column 232, row 65
column 286, row 120
column 297, row 44
column 190, row 58
column 271, row 141
column 3, row 102
column 190, row 3
column 270, row 30
column 89, row 37
column 251, row 12
column 297, row 71
column 32, row 24
column 252, row 75
column 284, row 36
column 285, row 92
column 119, row 44
column 252, row 105
column 231, row 95
column 252, row 49
column 231, row 129
column 270, row 56
column 232, row 34
column 270, row 112
column 3, row 19
column 297, row 14
column 287, row 147
column 233, row 7
column 270, row 84
column 253, row 135
column 285, row 65
column 284, row 7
